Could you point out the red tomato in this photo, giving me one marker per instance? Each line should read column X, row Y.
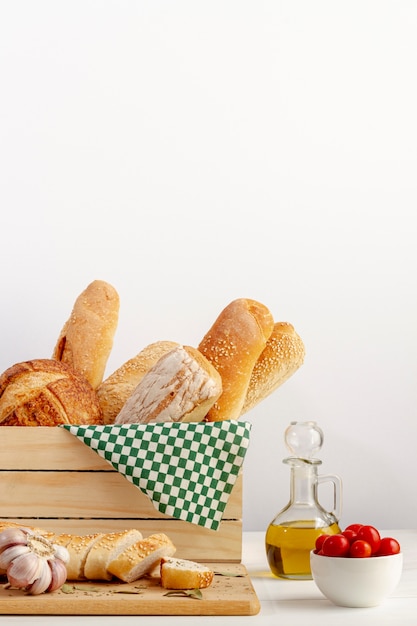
column 319, row 541
column 360, row 549
column 336, row 545
column 388, row 546
column 354, row 527
column 371, row 535
column 350, row 534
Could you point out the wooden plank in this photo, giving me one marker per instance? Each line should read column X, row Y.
column 192, row 542
column 230, row 594
column 84, row 494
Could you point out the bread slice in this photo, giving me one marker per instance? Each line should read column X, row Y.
column 105, row 550
column 78, row 549
column 180, row 387
column 115, row 390
column 141, row 557
column 183, row 574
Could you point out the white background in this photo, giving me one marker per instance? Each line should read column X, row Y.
column 190, row 153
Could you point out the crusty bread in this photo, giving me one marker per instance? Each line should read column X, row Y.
column 233, row 345
column 78, row 548
column 44, row 392
column 183, row 574
column 105, row 550
column 141, row 557
column 282, row 356
column 115, row 390
column 181, row 386
column 86, row 340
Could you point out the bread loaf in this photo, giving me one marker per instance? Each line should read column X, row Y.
column 86, row 339
column 115, row 390
column 105, row 550
column 141, row 557
column 282, row 356
column 233, row 345
column 181, row 386
column 184, row 574
column 78, row 548
column 44, row 392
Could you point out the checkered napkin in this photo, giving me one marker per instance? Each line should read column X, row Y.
column 188, row 470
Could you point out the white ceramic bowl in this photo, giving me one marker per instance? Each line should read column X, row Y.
column 356, row 582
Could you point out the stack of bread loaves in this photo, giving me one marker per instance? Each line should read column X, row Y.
column 242, row 359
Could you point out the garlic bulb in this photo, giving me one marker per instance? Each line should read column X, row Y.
column 31, row 561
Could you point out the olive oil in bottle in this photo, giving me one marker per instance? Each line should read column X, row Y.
column 291, row 536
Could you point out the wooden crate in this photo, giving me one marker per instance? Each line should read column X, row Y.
column 50, row 479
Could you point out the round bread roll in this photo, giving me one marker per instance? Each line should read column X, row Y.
column 45, row 392
column 86, row 340
column 233, row 345
column 282, row 356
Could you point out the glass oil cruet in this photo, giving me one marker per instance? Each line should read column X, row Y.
column 292, row 534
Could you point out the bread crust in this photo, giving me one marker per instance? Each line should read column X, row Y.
column 44, row 392
column 106, row 549
column 183, row 574
column 115, row 390
column 181, row 386
column 233, row 344
column 141, row 557
column 282, row 356
column 86, row 339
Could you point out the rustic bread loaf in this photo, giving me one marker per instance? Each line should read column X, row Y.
column 105, row 550
column 282, row 356
column 86, row 340
column 141, row 557
column 45, row 392
column 181, row 386
column 115, row 390
column 233, row 345
column 184, row 574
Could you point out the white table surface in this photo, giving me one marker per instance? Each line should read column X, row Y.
column 290, row 603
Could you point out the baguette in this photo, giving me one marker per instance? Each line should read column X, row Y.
column 233, row 345
column 181, row 386
column 78, row 548
column 282, row 356
column 115, row 390
column 183, row 574
column 141, row 557
column 106, row 549
column 86, row 339
column 44, row 392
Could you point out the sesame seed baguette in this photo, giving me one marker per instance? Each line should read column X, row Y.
column 105, row 550
column 86, row 339
column 233, row 345
column 282, row 356
column 141, row 557
column 78, row 548
column 183, row 574
column 115, row 390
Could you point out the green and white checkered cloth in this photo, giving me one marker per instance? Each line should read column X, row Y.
column 188, row 470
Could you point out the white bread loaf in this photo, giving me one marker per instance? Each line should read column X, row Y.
column 233, row 345
column 86, row 340
column 183, row 574
column 141, row 557
column 105, row 550
column 45, row 392
column 181, row 386
column 282, row 356
column 115, row 390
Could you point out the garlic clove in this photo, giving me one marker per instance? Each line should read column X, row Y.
column 7, row 556
column 61, row 553
column 25, row 569
column 12, row 536
column 43, row 582
column 59, row 574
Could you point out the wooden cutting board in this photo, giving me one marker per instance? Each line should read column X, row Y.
column 231, row 593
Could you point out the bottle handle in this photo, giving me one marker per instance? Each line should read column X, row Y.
column 337, row 493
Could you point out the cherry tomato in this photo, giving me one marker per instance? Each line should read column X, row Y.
column 336, row 545
column 319, row 541
column 371, row 535
column 350, row 534
column 360, row 549
column 354, row 527
column 388, row 546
